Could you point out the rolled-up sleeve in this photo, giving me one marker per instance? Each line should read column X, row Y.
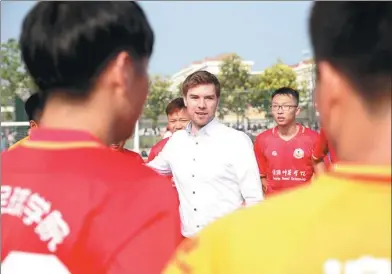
column 247, row 171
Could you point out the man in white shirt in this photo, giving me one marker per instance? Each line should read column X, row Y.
column 213, row 166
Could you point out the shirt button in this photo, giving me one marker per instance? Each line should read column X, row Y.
column 193, row 175
column 197, row 143
column 194, row 159
column 195, row 209
column 194, row 192
column 197, row 226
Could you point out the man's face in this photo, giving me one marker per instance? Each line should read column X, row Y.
column 333, row 91
column 201, row 102
column 130, row 93
column 177, row 120
column 284, row 109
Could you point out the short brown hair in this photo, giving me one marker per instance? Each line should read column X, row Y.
column 175, row 105
column 201, row 77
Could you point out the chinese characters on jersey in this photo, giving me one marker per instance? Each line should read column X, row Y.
column 34, row 210
column 289, row 175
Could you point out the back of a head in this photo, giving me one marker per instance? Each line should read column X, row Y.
column 65, row 45
column 355, row 38
column 175, row 105
column 352, row 46
column 68, row 46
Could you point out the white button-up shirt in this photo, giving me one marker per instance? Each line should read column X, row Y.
column 214, row 173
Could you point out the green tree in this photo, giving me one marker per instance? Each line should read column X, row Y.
column 234, row 80
column 157, row 99
column 275, row 77
column 14, row 78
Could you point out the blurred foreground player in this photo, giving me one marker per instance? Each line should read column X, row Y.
column 342, row 223
column 68, row 203
column 119, row 147
column 177, row 119
column 33, row 108
column 284, row 153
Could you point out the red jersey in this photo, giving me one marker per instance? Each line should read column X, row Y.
column 285, row 164
column 134, row 155
column 156, row 149
column 322, row 148
column 71, row 205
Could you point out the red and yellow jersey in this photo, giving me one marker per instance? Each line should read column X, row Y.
column 285, row 164
column 17, row 144
column 71, row 205
column 322, row 148
column 342, row 224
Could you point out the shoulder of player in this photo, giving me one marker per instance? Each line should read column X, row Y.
column 130, row 178
column 311, row 133
column 286, row 210
column 264, row 135
column 116, row 169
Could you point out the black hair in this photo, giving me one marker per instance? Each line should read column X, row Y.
column 175, row 105
column 286, row 91
column 33, row 106
column 66, row 45
column 356, row 39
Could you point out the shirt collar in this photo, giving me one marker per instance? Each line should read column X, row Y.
column 362, row 172
column 300, row 131
column 45, row 138
column 206, row 130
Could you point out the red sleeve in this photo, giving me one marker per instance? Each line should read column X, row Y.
column 153, row 153
column 259, row 152
column 321, row 147
column 156, row 149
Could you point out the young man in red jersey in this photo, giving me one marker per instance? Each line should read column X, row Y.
column 68, row 203
column 284, row 153
column 119, row 147
column 177, row 119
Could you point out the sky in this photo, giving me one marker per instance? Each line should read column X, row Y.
column 188, row 31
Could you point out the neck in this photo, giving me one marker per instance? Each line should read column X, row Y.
column 59, row 114
column 195, row 128
column 288, row 130
column 372, row 145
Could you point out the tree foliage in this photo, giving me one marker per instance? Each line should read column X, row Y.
column 277, row 76
column 234, row 80
column 158, row 98
column 14, row 78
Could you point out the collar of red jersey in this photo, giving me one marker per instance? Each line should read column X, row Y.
column 301, row 129
column 61, row 139
column 363, row 172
